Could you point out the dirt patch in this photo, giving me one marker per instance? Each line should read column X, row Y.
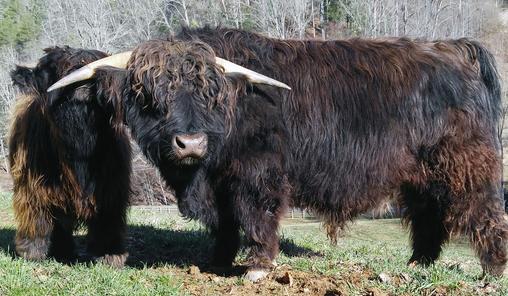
column 284, row 280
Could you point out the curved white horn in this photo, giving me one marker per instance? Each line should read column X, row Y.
column 118, row 60
column 28, row 65
column 252, row 76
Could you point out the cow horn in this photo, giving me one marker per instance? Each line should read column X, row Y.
column 86, row 72
column 28, row 65
column 252, row 76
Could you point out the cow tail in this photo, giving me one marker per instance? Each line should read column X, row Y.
column 486, row 63
column 489, row 73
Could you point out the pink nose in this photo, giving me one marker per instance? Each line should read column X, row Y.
column 193, row 145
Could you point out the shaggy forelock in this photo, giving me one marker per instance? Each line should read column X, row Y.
column 160, row 68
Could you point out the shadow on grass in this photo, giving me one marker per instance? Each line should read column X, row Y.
column 149, row 246
column 7, row 240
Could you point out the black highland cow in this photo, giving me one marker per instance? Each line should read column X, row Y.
column 69, row 165
column 364, row 119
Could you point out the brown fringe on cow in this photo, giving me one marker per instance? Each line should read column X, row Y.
column 68, row 164
column 365, row 119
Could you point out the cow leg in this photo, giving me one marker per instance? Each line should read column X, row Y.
column 227, row 242
column 472, row 174
column 259, row 218
column 34, row 229
column 259, row 203
column 62, row 241
column 106, row 236
column 426, row 213
column 481, row 217
column 261, row 231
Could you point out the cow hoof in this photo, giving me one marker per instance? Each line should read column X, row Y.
column 256, row 275
column 33, row 249
column 116, row 260
column 420, row 260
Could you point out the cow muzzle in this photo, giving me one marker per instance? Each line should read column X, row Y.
column 190, row 145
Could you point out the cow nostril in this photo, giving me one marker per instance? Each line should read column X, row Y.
column 179, row 143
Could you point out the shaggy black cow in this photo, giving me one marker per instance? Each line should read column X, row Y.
column 365, row 119
column 69, row 165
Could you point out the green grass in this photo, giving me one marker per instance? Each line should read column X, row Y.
column 162, row 248
column 21, row 277
column 377, row 247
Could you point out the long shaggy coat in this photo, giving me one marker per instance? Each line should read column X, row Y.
column 70, row 166
column 370, row 118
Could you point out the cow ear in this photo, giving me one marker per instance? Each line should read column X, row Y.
column 23, row 78
column 111, row 84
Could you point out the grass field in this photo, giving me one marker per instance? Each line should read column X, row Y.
column 169, row 257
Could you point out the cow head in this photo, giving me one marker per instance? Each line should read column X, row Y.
column 177, row 97
column 57, row 63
